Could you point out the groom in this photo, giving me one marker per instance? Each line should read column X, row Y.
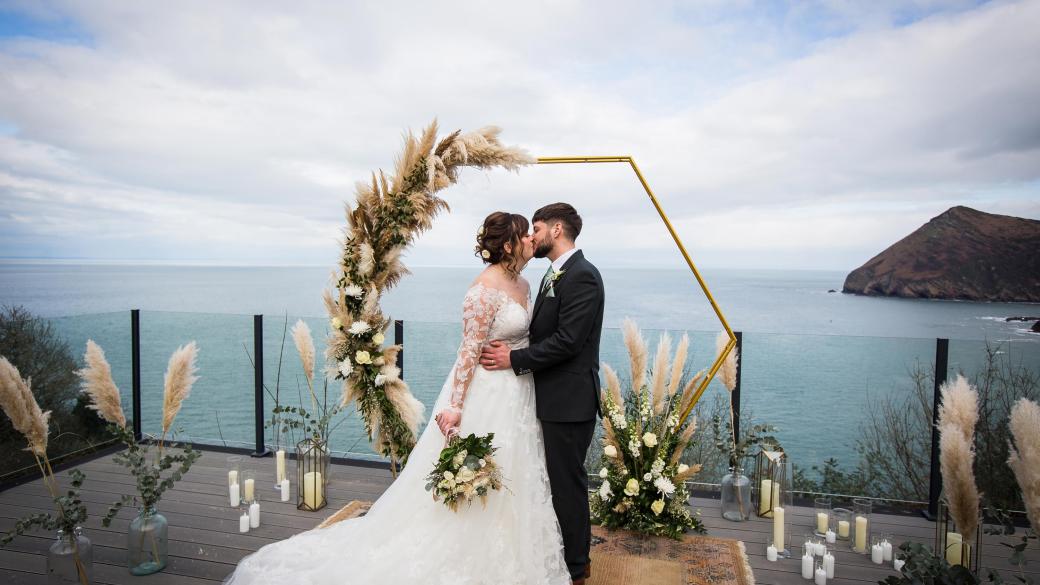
column 564, row 356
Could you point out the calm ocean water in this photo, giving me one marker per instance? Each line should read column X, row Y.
column 813, row 361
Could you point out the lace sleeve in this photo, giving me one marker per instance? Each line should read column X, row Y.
column 478, row 312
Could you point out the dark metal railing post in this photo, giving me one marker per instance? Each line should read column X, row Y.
column 734, row 396
column 258, row 385
column 135, row 369
column 942, row 360
column 399, row 340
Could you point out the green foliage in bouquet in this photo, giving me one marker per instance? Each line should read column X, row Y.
column 644, row 480
column 925, row 568
column 465, row 471
column 72, row 512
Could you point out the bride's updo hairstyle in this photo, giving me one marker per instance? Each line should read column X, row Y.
column 498, row 229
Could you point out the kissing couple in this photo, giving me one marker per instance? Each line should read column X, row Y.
column 527, row 372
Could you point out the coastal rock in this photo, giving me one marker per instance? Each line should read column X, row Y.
column 1036, row 327
column 961, row 254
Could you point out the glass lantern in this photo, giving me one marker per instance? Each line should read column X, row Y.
column 842, row 522
column 234, row 466
column 822, row 506
column 860, row 526
column 312, row 474
column 770, row 482
column 958, row 548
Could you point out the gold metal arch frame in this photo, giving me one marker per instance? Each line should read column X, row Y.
column 555, row 160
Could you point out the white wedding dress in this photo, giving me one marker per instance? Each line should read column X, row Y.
column 408, row 538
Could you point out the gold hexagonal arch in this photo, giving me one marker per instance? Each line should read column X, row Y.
column 550, row 160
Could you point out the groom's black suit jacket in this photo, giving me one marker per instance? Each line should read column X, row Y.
column 564, row 351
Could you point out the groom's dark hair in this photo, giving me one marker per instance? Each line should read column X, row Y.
column 563, row 213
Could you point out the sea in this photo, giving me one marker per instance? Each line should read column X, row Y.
column 814, row 363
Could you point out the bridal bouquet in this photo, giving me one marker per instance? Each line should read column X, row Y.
column 464, row 471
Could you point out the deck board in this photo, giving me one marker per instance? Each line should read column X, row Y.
column 205, row 543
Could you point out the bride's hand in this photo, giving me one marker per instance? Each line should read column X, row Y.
column 448, row 420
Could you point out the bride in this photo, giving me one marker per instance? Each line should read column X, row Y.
column 407, row 537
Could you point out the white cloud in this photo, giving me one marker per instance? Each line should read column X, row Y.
column 817, row 134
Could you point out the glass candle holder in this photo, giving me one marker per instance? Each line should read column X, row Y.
column 860, row 528
column 248, row 485
column 822, row 505
column 842, row 518
column 234, row 466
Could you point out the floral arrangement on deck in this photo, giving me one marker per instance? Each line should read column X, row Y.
column 388, row 214
column 465, row 471
column 19, row 404
column 644, row 479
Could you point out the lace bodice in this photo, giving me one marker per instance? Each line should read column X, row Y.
column 487, row 314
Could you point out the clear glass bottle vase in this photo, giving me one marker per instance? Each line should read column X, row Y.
column 146, row 547
column 736, row 495
column 70, row 559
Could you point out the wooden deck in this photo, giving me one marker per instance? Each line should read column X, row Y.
column 205, row 543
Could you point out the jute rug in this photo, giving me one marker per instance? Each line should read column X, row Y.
column 622, row 557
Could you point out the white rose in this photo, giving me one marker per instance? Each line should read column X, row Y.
column 650, row 440
column 345, row 367
column 632, row 487
column 336, row 323
column 604, row 491
column 378, row 339
column 362, row 357
column 466, row 474
column 610, row 451
column 359, row 327
column 449, row 475
column 380, row 379
column 657, row 507
column 603, row 473
column 648, row 477
column 683, row 468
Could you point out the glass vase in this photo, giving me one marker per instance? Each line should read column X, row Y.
column 70, row 559
column 736, row 495
column 146, row 546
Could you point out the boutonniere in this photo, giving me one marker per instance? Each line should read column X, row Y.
column 551, row 289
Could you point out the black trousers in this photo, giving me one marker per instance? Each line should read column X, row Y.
column 566, row 445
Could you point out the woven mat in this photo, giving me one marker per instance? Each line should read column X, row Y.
column 622, row 557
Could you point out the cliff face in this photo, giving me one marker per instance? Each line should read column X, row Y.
column 961, row 254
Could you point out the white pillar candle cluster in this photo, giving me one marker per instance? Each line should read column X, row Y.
column 831, row 536
column 254, row 515
column 821, row 522
column 279, row 473
column 828, row 565
column 886, row 549
column 843, row 529
column 284, row 487
column 821, row 576
column 243, row 522
column 771, row 553
column 877, row 554
column 861, row 534
column 250, row 485
column 807, row 565
column 778, row 528
column 233, row 490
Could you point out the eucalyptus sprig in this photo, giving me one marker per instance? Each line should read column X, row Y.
column 737, row 450
column 71, row 512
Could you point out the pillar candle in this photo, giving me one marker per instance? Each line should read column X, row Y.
column 821, row 522
column 877, row 554
column 821, row 576
column 313, row 490
column 821, row 549
column 843, row 528
column 886, row 547
column 249, row 490
column 285, row 489
column 233, row 495
column 243, row 523
column 279, row 459
column 897, row 564
column 861, row 534
column 778, row 528
column 953, row 548
column 828, row 565
column 831, row 536
column 807, row 566
column 771, row 553
column 764, row 503
column 254, row 515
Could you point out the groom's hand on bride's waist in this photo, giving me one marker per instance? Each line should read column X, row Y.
column 495, row 356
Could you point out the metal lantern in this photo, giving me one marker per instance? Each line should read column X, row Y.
column 312, row 475
column 770, row 482
column 958, row 548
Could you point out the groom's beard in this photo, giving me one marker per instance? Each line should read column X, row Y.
column 542, row 249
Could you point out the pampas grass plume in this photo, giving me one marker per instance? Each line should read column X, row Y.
column 301, row 335
column 959, row 407
column 728, row 369
column 97, row 383
column 19, row 404
column 956, row 458
column 637, row 353
column 180, row 375
column 1024, row 459
column 679, row 365
column 659, row 377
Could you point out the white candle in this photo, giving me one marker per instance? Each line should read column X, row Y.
column 877, row 554
column 953, row 548
column 765, row 490
column 886, row 547
column 254, row 515
column 279, row 459
column 828, row 565
column 807, row 566
column 771, row 553
column 778, row 528
column 821, row 522
column 243, row 523
column 861, row 534
column 843, row 528
column 285, row 489
column 821, row 576
column 232, row 476
column 233, row 495
column 249, row 490
column 897, row 564
column 821, row 549
column 809, row 547
column 313, row 490
column 831, row 537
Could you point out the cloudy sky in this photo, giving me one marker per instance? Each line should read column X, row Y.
column 776, row 135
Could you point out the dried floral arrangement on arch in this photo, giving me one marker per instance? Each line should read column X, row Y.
column 389, row 212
